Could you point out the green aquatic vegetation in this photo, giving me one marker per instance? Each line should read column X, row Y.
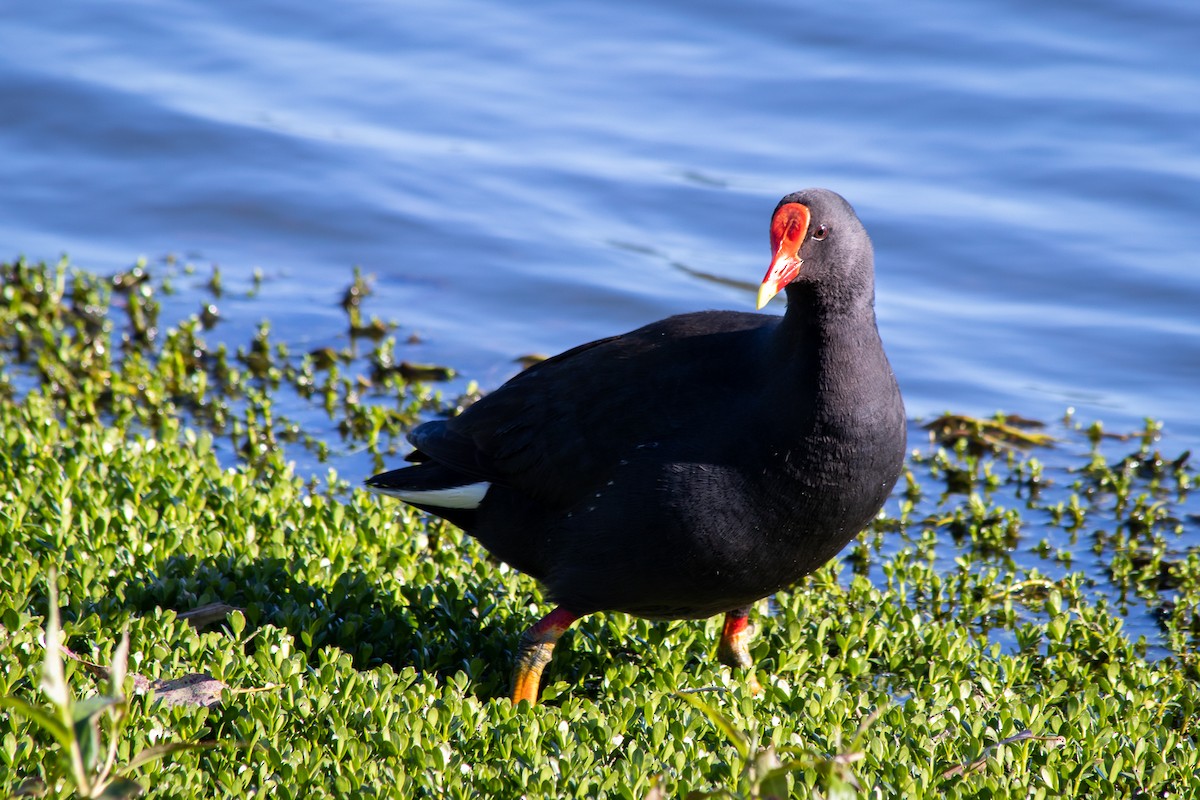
column 355, row 648
column 100, row 346
column 987, row 435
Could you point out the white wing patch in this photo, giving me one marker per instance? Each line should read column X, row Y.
column 468, row 496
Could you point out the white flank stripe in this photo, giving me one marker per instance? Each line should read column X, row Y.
column 469, row 496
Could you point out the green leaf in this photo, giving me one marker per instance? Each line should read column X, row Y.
column 87, row 730
column 40, row 717
column 788, row 767
column 162, row 750
column 120, row 789
column 120, row 661
column 92, row 707
column 718, row 718
column 87, row 736
column 841, row 789
column 772, row 781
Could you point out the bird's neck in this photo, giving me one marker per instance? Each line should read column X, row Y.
column 818, row 315
column 828, row 345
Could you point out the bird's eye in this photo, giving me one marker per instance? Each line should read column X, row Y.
column 821, row 232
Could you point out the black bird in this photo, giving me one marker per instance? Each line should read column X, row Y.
column 692, row 466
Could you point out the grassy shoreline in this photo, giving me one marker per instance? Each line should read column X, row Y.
column 371, row 650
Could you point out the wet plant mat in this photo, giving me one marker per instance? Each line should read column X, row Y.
column 1022, row 621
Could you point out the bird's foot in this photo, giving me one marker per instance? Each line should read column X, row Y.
column 535, row 652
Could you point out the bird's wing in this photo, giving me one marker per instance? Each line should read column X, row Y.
column 561, row 426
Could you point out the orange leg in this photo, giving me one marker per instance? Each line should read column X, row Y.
column 534, row 652
column 732, row 650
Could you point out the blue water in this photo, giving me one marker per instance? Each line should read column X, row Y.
column 524, row 177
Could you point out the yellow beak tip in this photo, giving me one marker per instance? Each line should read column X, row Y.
column 765, row 293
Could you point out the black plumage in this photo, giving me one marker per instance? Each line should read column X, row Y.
column 697, row 464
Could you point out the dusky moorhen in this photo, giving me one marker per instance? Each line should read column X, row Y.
column 692, row 466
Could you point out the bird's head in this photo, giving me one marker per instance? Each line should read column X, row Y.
column 817, row 238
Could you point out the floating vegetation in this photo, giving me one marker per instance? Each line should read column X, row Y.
column 993, row 434
column 109, row 360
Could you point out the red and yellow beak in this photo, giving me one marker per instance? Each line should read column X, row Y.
column 788, row 229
